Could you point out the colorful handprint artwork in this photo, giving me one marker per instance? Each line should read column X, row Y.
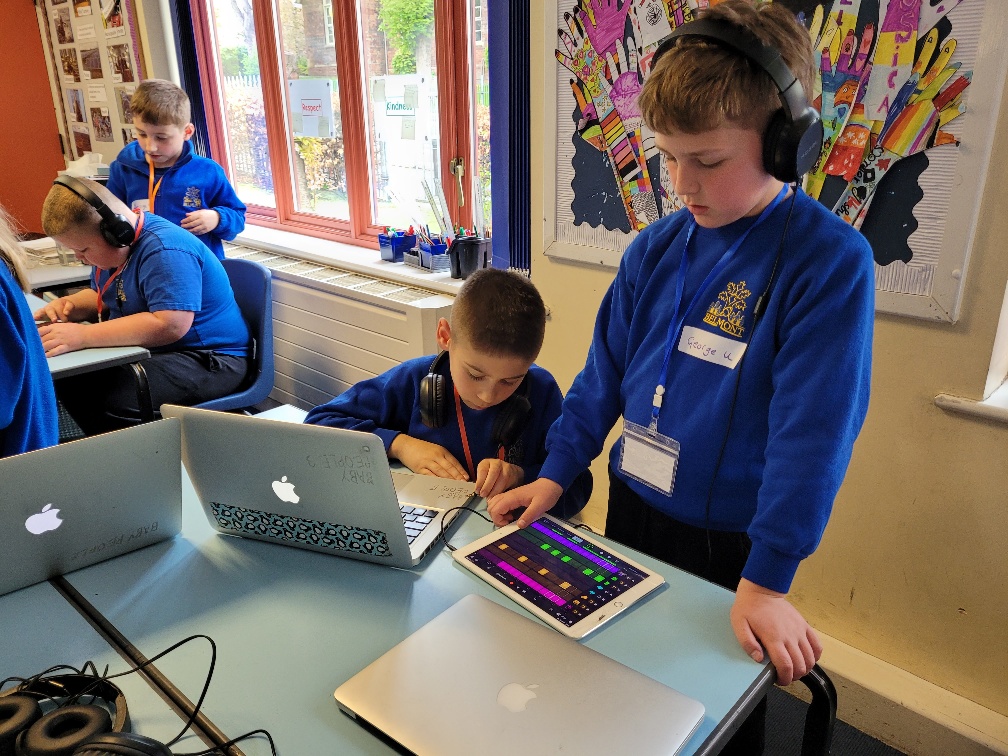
column 893, row 77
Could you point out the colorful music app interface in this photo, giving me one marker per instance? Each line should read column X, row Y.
column 560, row 572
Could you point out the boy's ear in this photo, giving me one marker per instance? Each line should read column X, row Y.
column 443, row 334
column 188, row 131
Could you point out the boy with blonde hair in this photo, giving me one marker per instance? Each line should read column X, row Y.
column 153, row 285
column 160, row 172
column 480, row 409
column 735, row 340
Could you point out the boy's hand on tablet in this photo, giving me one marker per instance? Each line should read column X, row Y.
column 537, row 497
column 426, row 458
column 60, row 338
column 494, row 476
column 57, row 311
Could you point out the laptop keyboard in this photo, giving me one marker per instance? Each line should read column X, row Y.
column 416, row 519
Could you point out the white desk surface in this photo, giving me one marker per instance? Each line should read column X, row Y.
column 86, row 360
column 292, row 625
column 44, row 276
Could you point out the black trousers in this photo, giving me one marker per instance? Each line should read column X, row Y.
column 714, row 555
column 106, row 400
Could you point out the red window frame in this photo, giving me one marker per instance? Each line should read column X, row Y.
column 451, row 30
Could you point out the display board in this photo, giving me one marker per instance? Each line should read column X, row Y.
column 909, row 90
column 97, row 60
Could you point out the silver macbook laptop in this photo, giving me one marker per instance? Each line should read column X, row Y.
column 504, row 684
column 313, row 487
column 75, row 504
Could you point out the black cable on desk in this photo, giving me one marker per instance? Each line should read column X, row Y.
column 207, row 731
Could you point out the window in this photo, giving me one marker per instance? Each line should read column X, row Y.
column 335, row 117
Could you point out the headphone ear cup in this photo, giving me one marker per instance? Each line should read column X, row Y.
column 122, row 744
column 62, row 730
column 17, row 713
column 791, row 148
column 432, row 400
column 117, row 231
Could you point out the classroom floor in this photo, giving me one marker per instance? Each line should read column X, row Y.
column 785, row 722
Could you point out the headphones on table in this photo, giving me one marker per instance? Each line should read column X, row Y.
column 793, row 138
column 71, row 729
column 114, row 227
column 436, row 391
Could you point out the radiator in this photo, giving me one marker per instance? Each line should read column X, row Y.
column 334, row 327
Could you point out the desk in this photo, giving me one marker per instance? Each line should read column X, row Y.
column 292, row 625
column 86, row 360
column 46, row 276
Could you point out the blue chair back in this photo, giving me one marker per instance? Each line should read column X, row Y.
column 253, row 289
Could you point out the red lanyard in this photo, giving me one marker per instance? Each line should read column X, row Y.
column 120, row 269
column 152, row 188
column 465, row 439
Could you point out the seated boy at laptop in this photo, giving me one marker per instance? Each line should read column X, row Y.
column 154, row 285
column 480, row 409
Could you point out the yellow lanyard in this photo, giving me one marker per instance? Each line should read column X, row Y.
column 152, row 188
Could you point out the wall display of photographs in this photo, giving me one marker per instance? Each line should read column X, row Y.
column 99, row 66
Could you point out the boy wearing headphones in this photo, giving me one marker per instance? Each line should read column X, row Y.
column 160, row 172
column 154, row 285
column 735, row 340
column 480, row 409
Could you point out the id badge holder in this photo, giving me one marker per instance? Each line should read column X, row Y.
column 649, row 457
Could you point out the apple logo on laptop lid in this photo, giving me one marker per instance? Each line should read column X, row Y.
column 285, row 490
column 40, row 522
column 515, row 697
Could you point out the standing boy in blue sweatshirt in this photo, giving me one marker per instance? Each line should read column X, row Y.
column 480, row 409
column 735, row 340
column 160, row 173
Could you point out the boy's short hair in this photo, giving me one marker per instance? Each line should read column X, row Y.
column 161, row 103
column 499, row 312
column 699, row 84
column 64, row 210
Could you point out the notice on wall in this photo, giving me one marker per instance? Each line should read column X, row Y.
column 311, row 107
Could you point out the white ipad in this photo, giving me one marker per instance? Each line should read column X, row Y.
column 559, row 573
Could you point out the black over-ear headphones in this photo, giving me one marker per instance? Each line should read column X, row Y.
column 793, row 139
column 114, row 227
column 435, row 398
column 70, row 729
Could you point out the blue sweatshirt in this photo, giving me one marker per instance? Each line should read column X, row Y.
column 27, row 400
column 168, row 269
column 787, row 416
column 389, row 404
column 192, row 183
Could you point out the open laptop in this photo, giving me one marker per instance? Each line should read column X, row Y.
column 72, row 505
column 313, row 487
column 504, row 684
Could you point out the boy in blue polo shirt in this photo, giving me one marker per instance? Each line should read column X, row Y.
column 735, row 340
column 27, row 402
column 154, row 285
column 160, row 173
column 480, row 409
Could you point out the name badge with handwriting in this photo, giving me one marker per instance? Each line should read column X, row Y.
column 711, row 347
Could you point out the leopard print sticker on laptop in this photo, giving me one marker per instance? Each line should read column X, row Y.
column 324, row 535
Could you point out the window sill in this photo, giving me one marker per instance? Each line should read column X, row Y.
column 995, row 407
column 346, row 256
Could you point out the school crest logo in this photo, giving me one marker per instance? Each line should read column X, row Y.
column 726, row 312
column 192, row 198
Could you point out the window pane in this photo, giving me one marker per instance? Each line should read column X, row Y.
column 400, row 81
column 243, row 101
column 481, row 115
column 309, row 62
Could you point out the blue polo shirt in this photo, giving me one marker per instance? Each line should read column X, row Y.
column 170, row 269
